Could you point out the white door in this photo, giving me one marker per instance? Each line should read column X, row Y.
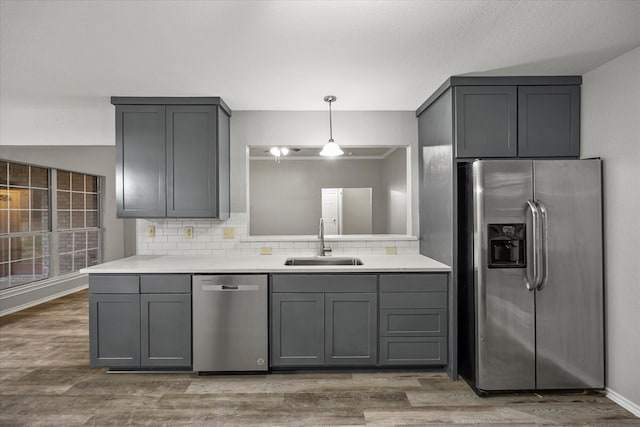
column 331, row 210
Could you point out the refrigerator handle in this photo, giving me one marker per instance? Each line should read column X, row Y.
column 543, row 245
column 532, row 283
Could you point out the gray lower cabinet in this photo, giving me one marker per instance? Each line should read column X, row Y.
column 414, row 351
column 114, row 330
column 297, row 329
column 350, row 329
column 140, row 321
column 413, row 319
column 323, row 320
column 165, row 321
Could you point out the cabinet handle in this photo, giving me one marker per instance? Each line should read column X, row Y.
column 225, row 288
column 532, row 283
column 543, row 245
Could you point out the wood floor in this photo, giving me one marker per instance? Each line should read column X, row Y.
column 45, row 379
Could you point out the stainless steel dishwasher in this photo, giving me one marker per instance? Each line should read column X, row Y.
column 230, row 323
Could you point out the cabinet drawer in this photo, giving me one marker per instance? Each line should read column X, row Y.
column 114, row 284
column 165, row 284
column 324, row 283
column 413, row 322
column 413, row 351
column 413, row 300
column 413, row 283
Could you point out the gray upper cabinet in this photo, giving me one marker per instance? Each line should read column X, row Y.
column 172, row 157
column 486, row 121
column 504, row 117
column 549, row 121
column 140, row 160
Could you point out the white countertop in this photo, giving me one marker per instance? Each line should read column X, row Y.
column 260, row 264
column 327, row 237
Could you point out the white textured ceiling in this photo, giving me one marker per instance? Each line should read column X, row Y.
column 286, row 55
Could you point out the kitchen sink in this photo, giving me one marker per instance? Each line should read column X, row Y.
column 325, row 260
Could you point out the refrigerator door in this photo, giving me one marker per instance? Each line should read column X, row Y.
column 505, row 334
column 569, row 302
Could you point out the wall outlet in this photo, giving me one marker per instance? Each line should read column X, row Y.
column 265, row 250
column 188, row 232
column 151, row 231
column 390, row 250
column 229, row 233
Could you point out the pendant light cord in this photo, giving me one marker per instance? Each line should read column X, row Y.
column 330, row 124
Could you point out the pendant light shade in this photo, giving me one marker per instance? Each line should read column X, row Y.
column 331, row 149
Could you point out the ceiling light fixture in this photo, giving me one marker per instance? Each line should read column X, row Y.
column 277, row 152
column 331, row 149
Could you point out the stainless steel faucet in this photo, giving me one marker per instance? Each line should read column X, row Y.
column 324, row 249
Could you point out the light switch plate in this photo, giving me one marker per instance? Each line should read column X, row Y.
column 151, row 231
column 188, row 232
column 390, row 250
column 228, row 233
column 265, row 250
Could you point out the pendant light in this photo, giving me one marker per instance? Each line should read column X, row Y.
column 331, row 149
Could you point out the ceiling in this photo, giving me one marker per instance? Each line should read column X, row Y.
column 286, row 55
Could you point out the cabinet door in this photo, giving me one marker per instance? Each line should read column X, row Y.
column 351, row 329
column 165, row 330
column 114, row 324
column 140, row 161
column 415, row 351
column 297, row 329
column 549, row 121
column 192, row 173
column 485, row 121
column 413, row 322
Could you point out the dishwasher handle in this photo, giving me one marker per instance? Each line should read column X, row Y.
column 229, row 288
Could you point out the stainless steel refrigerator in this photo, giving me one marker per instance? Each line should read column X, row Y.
column 530, row 278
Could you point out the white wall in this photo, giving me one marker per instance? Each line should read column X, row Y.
column 394, row 180
column 88, row 121
column 611, row 130
column 311, row 128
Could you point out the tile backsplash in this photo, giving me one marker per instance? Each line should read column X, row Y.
column 208, row 238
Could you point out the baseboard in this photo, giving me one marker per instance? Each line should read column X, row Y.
column 624, row 402
column 22, row 297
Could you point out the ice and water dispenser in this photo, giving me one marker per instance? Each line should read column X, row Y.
column 507, row 246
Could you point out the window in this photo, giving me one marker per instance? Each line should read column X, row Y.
column 77, row 212
column 42, row 234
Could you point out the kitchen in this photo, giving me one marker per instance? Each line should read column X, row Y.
column 75, row 132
